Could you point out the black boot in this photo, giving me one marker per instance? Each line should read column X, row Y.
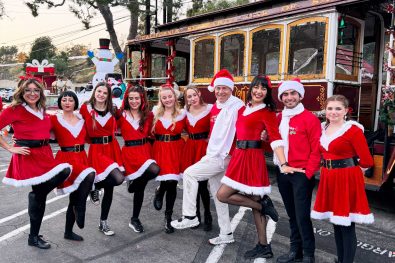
column 158, row 199
column 208, row 221
column 37, row 241
column 268, row 208
column 79, row 212
column 168, row 228
column 73, row 236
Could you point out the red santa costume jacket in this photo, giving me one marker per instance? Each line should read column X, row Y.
column 136, row 159
column 247, row 170
column 68, row 135
column 194, row 150
column 102, row 157
column 168, row 154
column 40, row 165
column 341, row 196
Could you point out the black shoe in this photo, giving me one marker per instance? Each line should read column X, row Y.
column 268, row 208
column 291, row 256
column 158, row 199
column 79, row 213
column 259, row 251
column 168, row 227
column 37, row 241
column 95, row 197
column 73, row 236
column 208, row 222
column 307, row 259
column 136, row 225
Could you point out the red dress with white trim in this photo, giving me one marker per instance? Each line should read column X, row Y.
column 40, row 165
column 68, row 135
column 247, row 170
column 103, row 157
column 168, row 154
column 341, row 196
column 136, row 158
column 194, row 150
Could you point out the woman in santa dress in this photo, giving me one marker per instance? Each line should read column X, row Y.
column 104, row 152
column 32, row 162
column 167, row 149
column 69, row 130
column 341, row 196
column 135, row 123
column 197, row 124
column 246, row 181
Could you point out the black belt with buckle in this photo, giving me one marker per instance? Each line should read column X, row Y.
column 167, row 137
column 76, row 148
column 340, row 163
column 248, row 144
column 32, row 143
column 101, row 140
column 136, row 142
column 198, row 136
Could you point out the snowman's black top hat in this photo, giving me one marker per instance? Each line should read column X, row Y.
column 104, row 43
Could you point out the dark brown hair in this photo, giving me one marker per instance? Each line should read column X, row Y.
column 144, row 107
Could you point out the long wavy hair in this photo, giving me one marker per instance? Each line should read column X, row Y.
column 144, row 107
column 20, row 91
column 201, row 101
column 108, row 103
column 266, row 83
column 160, row 108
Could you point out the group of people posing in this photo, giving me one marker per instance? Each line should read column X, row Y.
column 224, row 151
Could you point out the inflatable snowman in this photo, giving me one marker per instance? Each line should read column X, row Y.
column 104, row 61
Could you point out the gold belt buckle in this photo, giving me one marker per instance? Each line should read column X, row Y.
column 77, row 148
column 330, row 164
column 167, row 138
column 105, row 139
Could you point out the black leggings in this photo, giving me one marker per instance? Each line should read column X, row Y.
column 204, row 194
column 114, row 178
column 346, row 242
column 138, row 187
column 78, row 198
column 38, row 197
column 170, row 188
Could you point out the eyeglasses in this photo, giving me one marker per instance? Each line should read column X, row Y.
column 32, row 91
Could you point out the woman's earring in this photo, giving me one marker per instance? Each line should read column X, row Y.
column 345, row 117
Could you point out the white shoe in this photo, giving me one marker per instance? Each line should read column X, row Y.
column 222, row 239
column 103, row 227
column 184, row 222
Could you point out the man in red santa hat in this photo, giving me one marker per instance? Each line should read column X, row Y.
column 300, row 131
column 212, row 166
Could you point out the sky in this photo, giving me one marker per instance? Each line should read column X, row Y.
column 20, row 28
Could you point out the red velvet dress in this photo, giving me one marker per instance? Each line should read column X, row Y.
column 341, row 196
column 194, row 150
column 168, row 155
column 40, row 165
column 68, row 135
column 247, row 170
column 102, row 157
column 136, row 159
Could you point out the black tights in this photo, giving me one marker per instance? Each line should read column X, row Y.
column 78, row 198
column 170, row 188
column 138, row 187
column 204, row 194
column 114, row 178
column 346, row 242
column 38, row 197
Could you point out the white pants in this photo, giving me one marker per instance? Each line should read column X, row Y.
column 213, row 170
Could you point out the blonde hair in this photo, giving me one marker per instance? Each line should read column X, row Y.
column 18, row 95
column 201, row 102
column 160, row 109
column 343, row 100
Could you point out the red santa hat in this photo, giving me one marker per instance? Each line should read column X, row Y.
column 294, row 84
column 223, row 77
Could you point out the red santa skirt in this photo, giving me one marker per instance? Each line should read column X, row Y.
column 37, row 167
column 168, row 156
column 341, row 197
column 81, row 169
column 193, row 151
column 247, row 172
column 136, row 160
column 104, row 158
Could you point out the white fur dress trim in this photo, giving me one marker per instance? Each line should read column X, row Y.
column 76, row 183
column 326, row 140
column 105, row 173
column 140, row 171
column 167, row 177
column 343, row 220
column 249, row 190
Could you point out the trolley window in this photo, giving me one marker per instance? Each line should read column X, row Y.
column 158, row 67
column 204, row 59
column 306, row 48
column 232, row 54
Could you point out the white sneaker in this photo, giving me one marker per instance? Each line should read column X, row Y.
column 103, row 227
column 222, row 239
column 184, row 222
